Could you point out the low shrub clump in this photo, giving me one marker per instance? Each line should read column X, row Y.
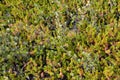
column 59, row 40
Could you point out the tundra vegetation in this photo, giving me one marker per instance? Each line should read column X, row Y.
column 59, row 40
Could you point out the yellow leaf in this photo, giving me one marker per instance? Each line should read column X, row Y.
column 71, row 34
column 107, row 51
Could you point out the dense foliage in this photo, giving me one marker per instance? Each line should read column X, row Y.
column 59, row 39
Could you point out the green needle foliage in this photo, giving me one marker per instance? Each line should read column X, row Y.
column 59, row 39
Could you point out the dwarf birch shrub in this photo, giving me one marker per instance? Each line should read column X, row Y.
column 59, row 40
